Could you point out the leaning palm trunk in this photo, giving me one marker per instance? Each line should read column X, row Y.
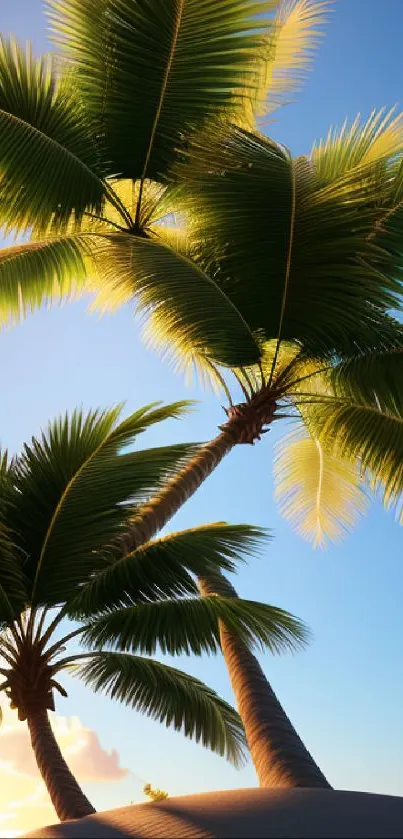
column 245, row 425
column 67, row 798
column 279, row 755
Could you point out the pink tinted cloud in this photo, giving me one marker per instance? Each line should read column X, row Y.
column 92, row 763
column 80, row 746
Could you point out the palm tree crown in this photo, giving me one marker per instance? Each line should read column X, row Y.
column 89, row 140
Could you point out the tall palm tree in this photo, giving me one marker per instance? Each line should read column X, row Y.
column 63, row 501
column 336, row 371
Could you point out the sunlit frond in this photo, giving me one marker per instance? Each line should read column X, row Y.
column 174, row 346
column 280, row 360
column 318, row 492
column 358, row 145
column 177, row 349
column 287, row 54
column 40, row 272
column 185, row 304
column 365, row 416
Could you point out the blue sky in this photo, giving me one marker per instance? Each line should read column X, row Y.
column 345, row 693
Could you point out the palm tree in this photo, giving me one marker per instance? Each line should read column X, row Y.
column 336, row 371
column 63, row 501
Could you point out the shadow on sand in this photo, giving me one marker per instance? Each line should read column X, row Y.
column 246, row 814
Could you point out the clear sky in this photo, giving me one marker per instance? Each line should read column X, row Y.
column 345, row 693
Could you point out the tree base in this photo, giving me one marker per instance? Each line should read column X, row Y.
column 240, row 814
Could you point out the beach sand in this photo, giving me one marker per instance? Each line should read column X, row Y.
column 246, row 814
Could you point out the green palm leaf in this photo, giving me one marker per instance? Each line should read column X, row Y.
column 48, row 162
column 151, row 71
column 13, row 584
column 170, row 697
column 287, row 54
column 367, row 429
column 190, row 626
column 38, row 272
column 190, row 307
column 358, row 145
column 180, row 298
column 74, row 484
column 296, row 259
column 376, row 371
column 161, row 568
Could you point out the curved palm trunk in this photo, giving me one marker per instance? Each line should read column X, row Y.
column 245, row 425
column 155, row 515
column 67, row 798
column 279, row 755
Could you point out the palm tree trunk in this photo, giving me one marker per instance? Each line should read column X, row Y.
column 67, row 798
column 279, row 755
column 246, row 422
column 155, row 515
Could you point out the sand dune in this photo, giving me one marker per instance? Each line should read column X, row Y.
column 247, row 813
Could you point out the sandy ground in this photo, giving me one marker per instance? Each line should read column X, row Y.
column 246, row 814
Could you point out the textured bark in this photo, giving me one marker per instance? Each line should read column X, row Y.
column 245, row 424
column 278, row 753
column 155, row 515
column 67, row 798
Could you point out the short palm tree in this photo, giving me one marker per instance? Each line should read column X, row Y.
column 63, row 501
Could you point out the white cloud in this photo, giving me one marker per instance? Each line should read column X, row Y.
column 80, row 746
column 24, row 803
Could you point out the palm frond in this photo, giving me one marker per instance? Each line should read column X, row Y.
column 49, row 168
column 190, row 626
column 185, row 303
column 161, row 568
column 317, row 490
column 13, row 584
column 38, row 272
column 295, row 259
column 367, row 424
column 74, row 484
column 170, row 697
column 288, row 53
column 358, row 145
column 178, row 349
column 376, row 371
column 151, row 71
